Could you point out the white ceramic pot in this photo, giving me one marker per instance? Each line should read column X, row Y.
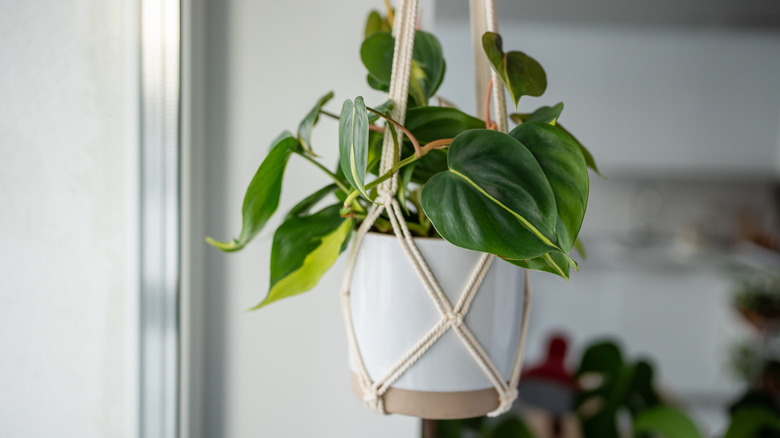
column 392, row 311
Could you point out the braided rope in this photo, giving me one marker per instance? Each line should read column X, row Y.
column 452, row 317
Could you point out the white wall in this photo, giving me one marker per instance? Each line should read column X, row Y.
column 646, row 100
column 283, row 370
column 67, row 140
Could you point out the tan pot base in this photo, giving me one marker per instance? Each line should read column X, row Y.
column 435, row 405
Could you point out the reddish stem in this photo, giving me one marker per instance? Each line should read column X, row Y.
column 376, row 128
column 415, row 143
column 489, row 123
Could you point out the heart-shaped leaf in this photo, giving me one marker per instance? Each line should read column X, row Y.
column 262, row 195
column 427, row 69
column 665, row 421
column 493, row 198
column 308, row 122
column 353, row 143
column 545, row 114
column 564, row 166
column 304, row 248
column 521, row 74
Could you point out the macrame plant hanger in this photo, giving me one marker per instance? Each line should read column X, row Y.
column 452, row 316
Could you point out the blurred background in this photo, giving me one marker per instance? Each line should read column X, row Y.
column 679, row 101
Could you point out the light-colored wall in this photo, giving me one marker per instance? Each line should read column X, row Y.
column 648, row 100
column 283, row 370
column 67, row 143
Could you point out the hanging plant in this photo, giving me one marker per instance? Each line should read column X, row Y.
column 520, row 195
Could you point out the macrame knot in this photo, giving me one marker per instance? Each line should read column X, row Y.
column 454, row 319
column 505, row 401
column 373, row 400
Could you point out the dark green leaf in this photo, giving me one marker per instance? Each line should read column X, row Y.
column 427, row 69
column 307, row 124
column 553, row 262
column 353, row 143
column 753, row 422
column 522, row 75
column 545, row 114
column 494, row 197
column 519, row 118
column 429, row 123
column 262, row 195
column 564, row 166
column 666, row 421
column 376, row 84
column 310, row 201
column 604, row 380
column 304, row 248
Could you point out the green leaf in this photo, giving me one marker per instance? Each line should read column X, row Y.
column 553, row 262
column 427, row 70
column 353, row 143
column 666, row 421
column 565, row 169
column 580, row 247
column 304, row 248
column 543, row 114
column 303, row 207
column 307, row 124
column 521, row 74
column 493, row 198
column 383, row 108
column 429, row 123
column 375, row 23
column 262, row 195
column 511, row 427
column 749, row 422
column 406, row 177
column 564, row 166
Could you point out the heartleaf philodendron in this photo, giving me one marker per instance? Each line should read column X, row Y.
column 353, row 143
column 520, row 196
column 564, row 166
column 521, row 74
column 493, row 198
column 262, row 195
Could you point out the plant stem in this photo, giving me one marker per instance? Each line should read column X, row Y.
column 328, row 172
column 329, row 114
column 488, row 123
column 412, row 138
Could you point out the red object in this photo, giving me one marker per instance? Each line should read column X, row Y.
column 553, row 369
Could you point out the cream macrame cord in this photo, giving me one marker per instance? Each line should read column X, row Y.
column 452, row 317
